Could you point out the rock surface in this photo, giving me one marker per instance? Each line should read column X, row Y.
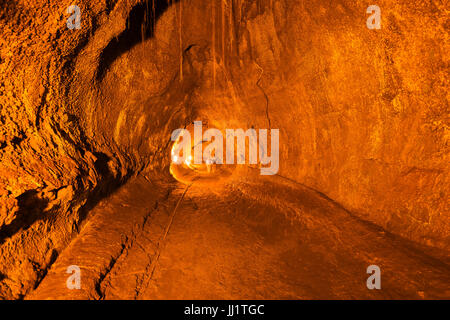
column 363, row 118
column 157, row 241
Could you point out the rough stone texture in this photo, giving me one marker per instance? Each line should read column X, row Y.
column 304, row 247
column 363, row 114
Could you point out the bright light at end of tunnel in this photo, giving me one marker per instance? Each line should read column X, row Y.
column 188, row 160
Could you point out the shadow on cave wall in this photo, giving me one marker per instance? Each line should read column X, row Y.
column 109, row 185
column 32, row 206
column 140, row 26
column 31, row 209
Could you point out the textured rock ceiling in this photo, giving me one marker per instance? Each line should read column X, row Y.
column 363, row 114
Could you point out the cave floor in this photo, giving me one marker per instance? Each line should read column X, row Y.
column 159, row 240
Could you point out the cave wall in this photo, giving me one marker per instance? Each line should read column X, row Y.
column 363, row 114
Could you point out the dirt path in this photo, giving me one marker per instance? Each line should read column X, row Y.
column 286, row 243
